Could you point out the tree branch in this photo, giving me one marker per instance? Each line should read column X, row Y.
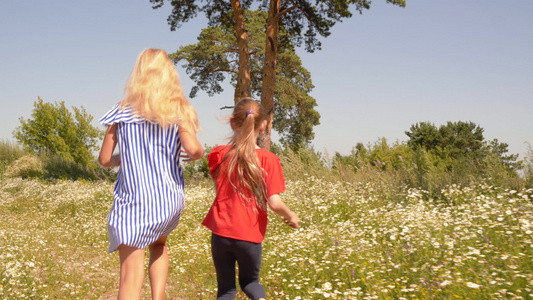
column 212, row 69
column 295, row 6
column 286, row 10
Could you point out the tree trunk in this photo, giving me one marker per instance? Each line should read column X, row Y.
column 269, row 69
column 243, row 81
column 237, row 94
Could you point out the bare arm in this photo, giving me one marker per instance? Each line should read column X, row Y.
column 277, row 206
column 106, row 157
column 191, row 146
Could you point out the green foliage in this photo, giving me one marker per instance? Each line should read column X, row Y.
column 214, row 58
column 349, row 162
column 58, row 167
column 424, row 134
column 61, row 142
column 460, row 144
column 294, row 109
column 500, row 150
column 198, row 170
column 422, row 163
column 303, row 21
column 55, row 129
column 209, row 60
column 425, row 162
column 263, row 40
column 455, row 139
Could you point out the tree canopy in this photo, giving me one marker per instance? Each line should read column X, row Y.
column 301, row 20
column 214, row 58
column 459, row 140
column 52, row 127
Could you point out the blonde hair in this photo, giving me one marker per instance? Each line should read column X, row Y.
column 154, row 92
column 242, row 162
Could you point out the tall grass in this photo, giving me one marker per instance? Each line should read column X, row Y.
column 528, row 166
column 9, row 152
column 17, row 162
column 399, row 165
column 368, row 231
column 353, row 243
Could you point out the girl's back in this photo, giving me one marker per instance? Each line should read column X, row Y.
column 155, row 127
column 149, row 183
column 235, row 213
column 247, row 178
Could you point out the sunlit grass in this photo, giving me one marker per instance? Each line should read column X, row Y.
column 354, row 243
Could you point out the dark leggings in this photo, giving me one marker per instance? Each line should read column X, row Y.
column 225, row 253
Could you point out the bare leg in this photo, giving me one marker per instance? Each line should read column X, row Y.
column 131, row 272
column 158, row 267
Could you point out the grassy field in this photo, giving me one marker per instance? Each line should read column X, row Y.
column 356, row 242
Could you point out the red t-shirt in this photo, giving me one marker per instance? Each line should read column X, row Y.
column 230, row 215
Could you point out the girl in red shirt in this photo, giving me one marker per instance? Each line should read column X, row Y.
column 248, row 179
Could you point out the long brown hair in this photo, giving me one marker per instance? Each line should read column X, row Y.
column 154, row 92
column 242, row 162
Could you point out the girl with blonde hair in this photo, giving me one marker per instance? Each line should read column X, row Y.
column 154, row 126
column 247, row 179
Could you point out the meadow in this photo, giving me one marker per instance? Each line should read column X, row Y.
column 356, row 241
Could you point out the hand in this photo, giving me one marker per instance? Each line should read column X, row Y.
column 185, row 157
column 293, row 220
column 115, row 160
column 190, row 145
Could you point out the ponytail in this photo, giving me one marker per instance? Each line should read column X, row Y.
column 244, row 169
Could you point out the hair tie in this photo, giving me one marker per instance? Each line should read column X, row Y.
column 249, row 112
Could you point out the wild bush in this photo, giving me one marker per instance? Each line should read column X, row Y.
column 59, row 167
column 53, row 127
column 400, row 165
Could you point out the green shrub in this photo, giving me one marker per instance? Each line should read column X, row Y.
column 197, row 170
column 59, row 167
column 399, row 165
column 53, row 127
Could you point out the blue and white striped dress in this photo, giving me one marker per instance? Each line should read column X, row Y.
column 149, row 193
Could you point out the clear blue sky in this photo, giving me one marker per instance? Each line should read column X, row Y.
column 377, row 74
